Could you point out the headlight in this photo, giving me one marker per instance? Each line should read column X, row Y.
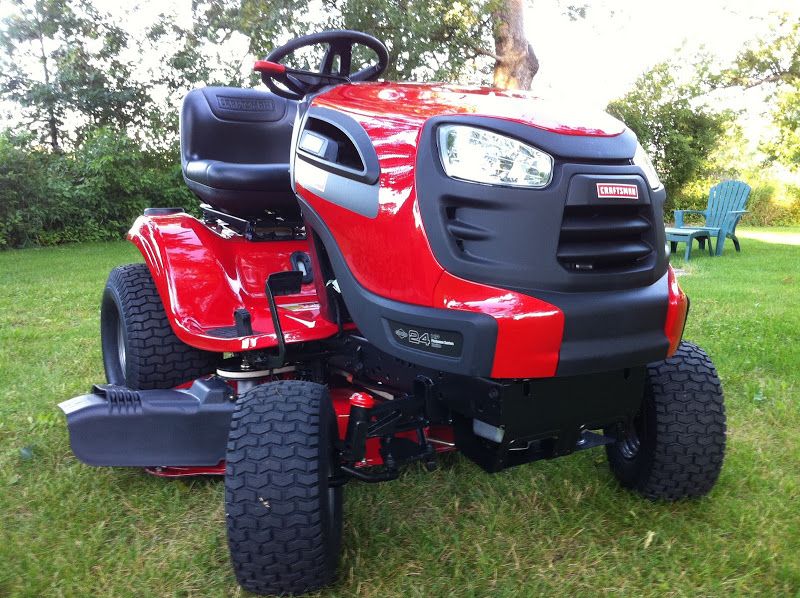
column 480, row 156
column 642, row 160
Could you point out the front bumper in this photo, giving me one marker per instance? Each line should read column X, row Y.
column 501, row 424
column 494, row 332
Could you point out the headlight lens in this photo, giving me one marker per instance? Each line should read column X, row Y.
column 481, row 156
column 642, row 160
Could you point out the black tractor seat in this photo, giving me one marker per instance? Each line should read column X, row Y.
column 239, row 177
column 235, row 150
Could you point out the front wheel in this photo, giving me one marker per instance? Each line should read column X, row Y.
column 675, row 446
column 284, row 518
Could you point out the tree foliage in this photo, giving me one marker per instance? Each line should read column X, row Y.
column 785, row 146
column 61, row 59
column 427, row 39
column 774, row 61
column 770, row 62
column 773, row 58
column 678, row 131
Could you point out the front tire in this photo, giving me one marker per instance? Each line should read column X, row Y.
column 676, row 445
column 284, row 520
column 140, row 349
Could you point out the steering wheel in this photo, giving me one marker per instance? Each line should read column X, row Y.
column 296, row 83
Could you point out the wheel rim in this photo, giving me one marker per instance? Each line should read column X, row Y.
column 629, row 446
column 121, row 344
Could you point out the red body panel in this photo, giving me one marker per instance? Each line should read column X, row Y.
column 529, row 330
column 412, row 102
column 389, row 255
column 404, row 268
column 203, row 278
column 677, row 309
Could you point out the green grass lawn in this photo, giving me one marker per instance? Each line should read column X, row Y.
column 560, row 527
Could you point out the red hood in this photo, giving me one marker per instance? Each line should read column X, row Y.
column 418, row 102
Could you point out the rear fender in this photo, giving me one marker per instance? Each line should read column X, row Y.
column 204, row 275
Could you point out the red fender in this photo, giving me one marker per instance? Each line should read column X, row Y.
column 203, row 277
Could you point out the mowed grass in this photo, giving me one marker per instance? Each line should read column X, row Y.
column 560, row 527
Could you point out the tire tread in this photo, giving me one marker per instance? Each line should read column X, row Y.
column 689, row 414
column 273, row 492
column 156, row 357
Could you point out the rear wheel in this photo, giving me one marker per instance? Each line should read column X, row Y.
column 284, row 519
column 140, row 350
column 675, row 446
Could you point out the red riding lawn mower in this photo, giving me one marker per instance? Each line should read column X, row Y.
column 384, row 271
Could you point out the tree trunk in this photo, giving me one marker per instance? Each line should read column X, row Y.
column 53, row 128
column 516, row 62
column 52, row 123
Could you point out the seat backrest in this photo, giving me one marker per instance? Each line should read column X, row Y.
column 723, row 198
column 229, row 124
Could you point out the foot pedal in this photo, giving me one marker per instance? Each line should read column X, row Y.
column 285, row 283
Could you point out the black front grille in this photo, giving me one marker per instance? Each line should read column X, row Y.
column 606, row 238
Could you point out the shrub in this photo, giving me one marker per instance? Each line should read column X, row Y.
column 771, row 203
column 91, row 194
column 23, row 186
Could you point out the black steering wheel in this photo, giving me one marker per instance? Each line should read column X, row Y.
column 295, row 84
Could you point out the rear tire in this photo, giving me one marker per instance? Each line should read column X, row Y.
column 140, row 349
column 676, row 444
column 284, row 521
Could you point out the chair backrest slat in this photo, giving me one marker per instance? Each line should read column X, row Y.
column 725, row 197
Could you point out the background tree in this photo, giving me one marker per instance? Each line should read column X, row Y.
column 427, row 39
column 773, row 61
column 785, row 146
column 677, row 130
column 61, row 59
column 515, row 61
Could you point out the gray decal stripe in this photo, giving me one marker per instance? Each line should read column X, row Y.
column 347, row 193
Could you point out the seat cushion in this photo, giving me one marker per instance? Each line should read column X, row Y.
column 245, row 177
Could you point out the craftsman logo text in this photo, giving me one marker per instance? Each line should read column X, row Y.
column 619, row 190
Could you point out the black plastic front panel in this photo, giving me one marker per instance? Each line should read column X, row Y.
column 601, row 260
column 511, row 237
column 606, row 330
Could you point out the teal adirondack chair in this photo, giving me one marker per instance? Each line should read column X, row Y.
column 726, row 203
